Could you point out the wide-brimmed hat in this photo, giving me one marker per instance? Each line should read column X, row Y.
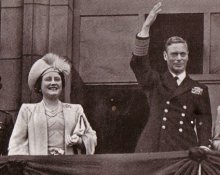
column 49, row 62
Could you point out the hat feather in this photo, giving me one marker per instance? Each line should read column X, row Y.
column 60, row 63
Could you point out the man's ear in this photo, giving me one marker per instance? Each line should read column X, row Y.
column 165, row 55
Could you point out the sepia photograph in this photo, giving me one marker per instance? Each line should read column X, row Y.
column 109, row 87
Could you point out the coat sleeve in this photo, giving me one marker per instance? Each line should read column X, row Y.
column 216, row 131
column 140, row 64
column 204, row 119
column 87, row 134
column 18, row 144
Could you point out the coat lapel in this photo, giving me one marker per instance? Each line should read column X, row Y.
column 185, row 86
column 168, row 85
column 69, row 120
column 40, row 129
column 169, row 82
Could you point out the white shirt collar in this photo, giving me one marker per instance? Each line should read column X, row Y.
column 181, row 77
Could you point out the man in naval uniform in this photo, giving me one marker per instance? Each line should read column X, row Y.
column 6, row 127
column 180, row 113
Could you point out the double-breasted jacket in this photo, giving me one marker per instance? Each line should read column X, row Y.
column 180, row 116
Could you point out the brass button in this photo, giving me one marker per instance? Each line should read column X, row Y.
column 168, row 102
column 112, row 99
column 164, row 119
column 184, row 107
column 180, row 130
column 181, row 122
column 200, row 123
column 191, row 122
column 114, row 108
column 163, row 127
column 166, row 110
column 183, row 114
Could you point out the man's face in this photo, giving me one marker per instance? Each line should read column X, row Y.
column 176, row 57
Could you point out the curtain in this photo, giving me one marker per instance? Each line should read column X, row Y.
column 166, row 163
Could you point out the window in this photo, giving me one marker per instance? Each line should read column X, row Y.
column 189, row 27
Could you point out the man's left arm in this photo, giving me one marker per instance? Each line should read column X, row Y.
column 10, row 126
column 6, row 127
column 204, row 120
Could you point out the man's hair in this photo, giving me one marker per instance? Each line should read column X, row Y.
column 175, row 40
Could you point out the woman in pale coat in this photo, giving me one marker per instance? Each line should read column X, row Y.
column 51, row 127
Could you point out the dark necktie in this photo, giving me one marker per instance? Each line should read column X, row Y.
column 176, row 78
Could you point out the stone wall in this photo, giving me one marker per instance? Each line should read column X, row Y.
column 30, row 29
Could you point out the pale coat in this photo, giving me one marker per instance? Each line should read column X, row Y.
column 216, row 133
column 29, row 136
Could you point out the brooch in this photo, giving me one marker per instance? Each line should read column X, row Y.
column 197, row 90
column 67, row 106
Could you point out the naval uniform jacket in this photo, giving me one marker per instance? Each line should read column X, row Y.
column 6, row 127
column 174, row 110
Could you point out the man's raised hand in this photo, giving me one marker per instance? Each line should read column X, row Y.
column 150, row 20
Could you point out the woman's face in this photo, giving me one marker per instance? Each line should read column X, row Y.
column 51, row 85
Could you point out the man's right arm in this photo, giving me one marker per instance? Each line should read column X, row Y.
column 140, row 63
column 144, row 33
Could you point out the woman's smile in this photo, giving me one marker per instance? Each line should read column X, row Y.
column 51, row 85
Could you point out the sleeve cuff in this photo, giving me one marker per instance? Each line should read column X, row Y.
column 141, row 46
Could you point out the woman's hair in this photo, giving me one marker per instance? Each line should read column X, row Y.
column 37, row 86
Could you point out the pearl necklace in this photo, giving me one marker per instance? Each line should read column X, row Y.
column 52, row 112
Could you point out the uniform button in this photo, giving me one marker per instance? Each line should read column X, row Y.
column 191, row 122
column 166, row 110
column 114, row 108
column 200, row 123
column 164, row 119
column 163, row 127
column 183, row 114
column 112, row 99
column 184, row 107
column 180, row 130
column 168, row 102
column 181, row 122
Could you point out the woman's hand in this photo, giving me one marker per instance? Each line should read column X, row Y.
column 73, row 140
column 205, row 148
